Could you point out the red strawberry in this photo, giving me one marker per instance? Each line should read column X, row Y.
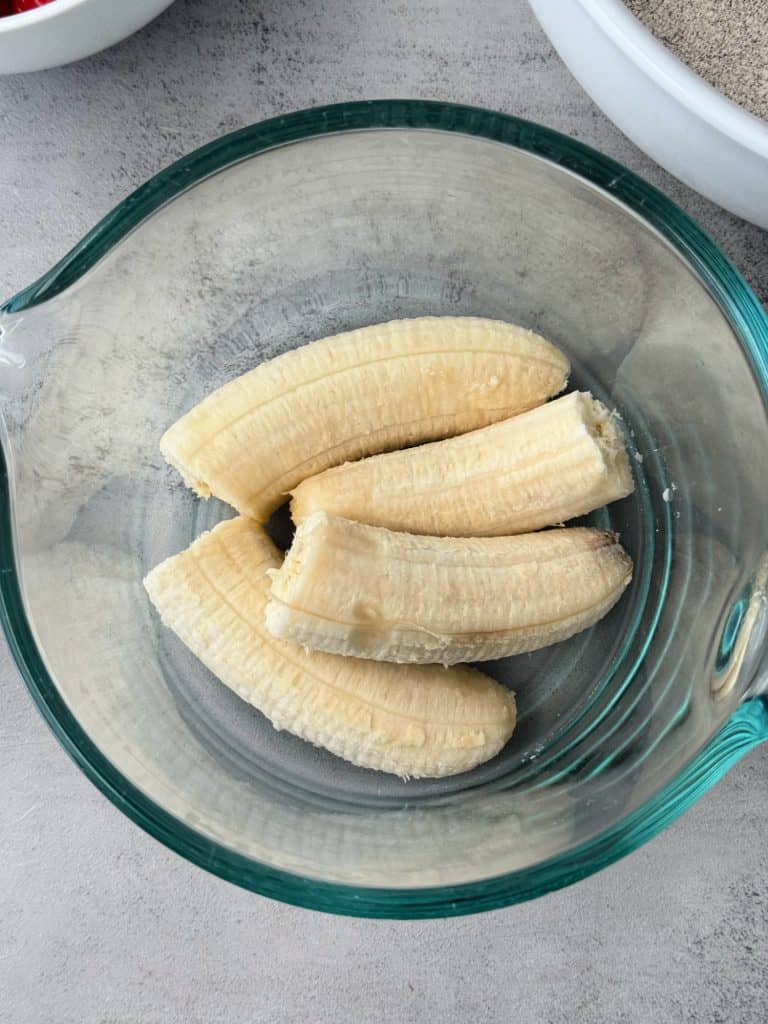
column 25, row 5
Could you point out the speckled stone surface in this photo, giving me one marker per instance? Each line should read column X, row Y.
column 100, row 924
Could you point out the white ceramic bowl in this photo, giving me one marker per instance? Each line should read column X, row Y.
column 67, row 30
column 675, row 116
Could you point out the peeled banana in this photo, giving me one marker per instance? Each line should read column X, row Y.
column 540, row 468
column 370, row 390
column 410, row 721
column 368, row 592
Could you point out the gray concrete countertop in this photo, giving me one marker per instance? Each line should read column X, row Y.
column 99, row 924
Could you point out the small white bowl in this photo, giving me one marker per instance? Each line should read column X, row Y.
column 66, row 30
column 669, row 111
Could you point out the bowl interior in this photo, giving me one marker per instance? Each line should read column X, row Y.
column 326, row 234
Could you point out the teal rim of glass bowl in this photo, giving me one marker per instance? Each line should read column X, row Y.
column 745, row 728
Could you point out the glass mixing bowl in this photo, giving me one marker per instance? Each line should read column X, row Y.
column 328, row 220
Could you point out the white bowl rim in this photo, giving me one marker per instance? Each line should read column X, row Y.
column 675, row 77
column 54, row 9
column 13, row 22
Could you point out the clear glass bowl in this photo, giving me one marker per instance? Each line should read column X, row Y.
column 327, row 220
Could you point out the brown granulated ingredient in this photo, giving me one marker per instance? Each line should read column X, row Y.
column 725, row 41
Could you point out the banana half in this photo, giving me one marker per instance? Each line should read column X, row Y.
column 411, row 721
column 370, row 390
column 368, row 592
column 540, row 468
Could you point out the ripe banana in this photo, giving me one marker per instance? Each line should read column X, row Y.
column 365, row 391
column 411, row 721
column 359, row 590
column 540, row 468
